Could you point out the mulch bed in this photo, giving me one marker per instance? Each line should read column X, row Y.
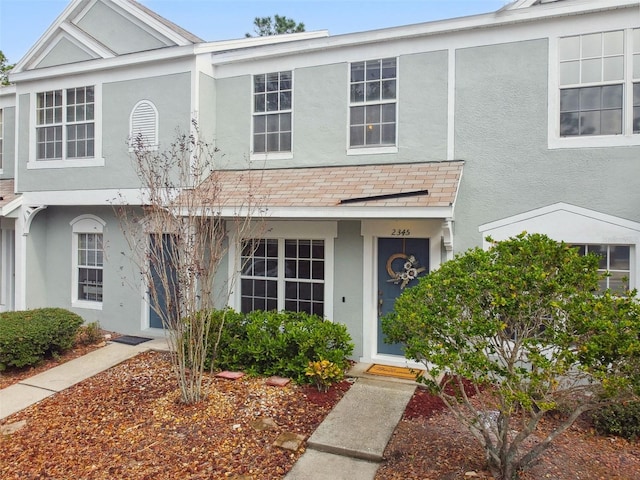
column 128, row 422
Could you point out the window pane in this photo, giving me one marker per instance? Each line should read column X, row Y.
column 592, row 45
column 259, row 104
column 611, row 122
column 285, row 121
column 389, row 90
column 272, row 102
column 590, row 123
column 317, row 270
column 273, row 123
column 569, row 48
column 273, row 142
column 389, row 134
column 569, row 73
column 620, row 257
column 570, row 100
column 291, row 269
column 285, row 142
column 356, row 136
column 389, row 113
column 613, row 43
column 285, row 80
column 373, row 91
column 285, row 100
column 372, row 114
column 612, row 96
column 373, row 70
column 601, row 252
column 389, row 68
column 259, row 143
column 357, row 92
column 259, row 83
column 590, row 98
column 591, row 70
column 357, row 72
column 372, row 136
column 259, row 124
column 273, row 83
column 304, row 249
column 613, row 68
column 304, row 290
column 357, row 115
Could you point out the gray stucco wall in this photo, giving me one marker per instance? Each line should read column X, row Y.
column 116, row 32
column 8, row 141
column 321, row 115
column 171, row 96
column 64, row 52
column 348, row 281
column 501, row 133
column 49, row 269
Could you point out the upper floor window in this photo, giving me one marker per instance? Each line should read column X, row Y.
column 372, row 100
column 272, row 107
column 598, row 78
column 65, row 124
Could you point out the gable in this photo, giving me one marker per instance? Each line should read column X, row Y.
column 566, row 222
column 94, row 29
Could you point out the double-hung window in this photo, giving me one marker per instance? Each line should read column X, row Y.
column 65, row 124
column 372, row 100
column 272, row 107
column 615, row 261
column 88, row 262
column 599, row 88
column 283, row 274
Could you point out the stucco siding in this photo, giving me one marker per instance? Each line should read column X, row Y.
column 422, row 111
column 63, row 52
column 501, row 133
column 8, row 141
column 171, row 96
column 49, row 270
column 233, row 135
column 348, row 285
column 116, row 32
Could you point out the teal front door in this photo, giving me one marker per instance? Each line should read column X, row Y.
column 163, row 296
column 401, row 261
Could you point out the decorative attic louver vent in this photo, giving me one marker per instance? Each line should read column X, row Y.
column 143, row 124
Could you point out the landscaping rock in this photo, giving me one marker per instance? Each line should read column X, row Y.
column 289, row 441
column 12, row 428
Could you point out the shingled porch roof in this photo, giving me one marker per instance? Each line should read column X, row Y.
column 428, row 185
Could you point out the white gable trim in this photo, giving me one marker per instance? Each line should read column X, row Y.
column 572, row 224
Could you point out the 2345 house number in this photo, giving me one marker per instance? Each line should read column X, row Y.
column 400, row 232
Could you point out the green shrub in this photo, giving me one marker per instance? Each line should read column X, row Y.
column 90, row 333
column 620, row 419
column 278, row 343
column 26, row 337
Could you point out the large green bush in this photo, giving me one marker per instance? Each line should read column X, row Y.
column 277, row 343
column 26, row 337
column 620, row 419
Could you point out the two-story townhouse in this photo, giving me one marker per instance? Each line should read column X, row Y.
column 360, row 140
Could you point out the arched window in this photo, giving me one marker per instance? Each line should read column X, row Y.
column 143, row 126
column 88, row 261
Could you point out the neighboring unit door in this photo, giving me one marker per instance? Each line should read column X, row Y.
column 400, row 262
column 164, row 278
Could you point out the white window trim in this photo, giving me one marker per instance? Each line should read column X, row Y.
column 627, row 138
column 153, row 145
column 83, row 224
column 265, row 156
column 292, row 230
column 96, row 161
column 375, row 149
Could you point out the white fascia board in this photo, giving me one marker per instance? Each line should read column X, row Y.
column 487, row 20
column 240, row 43
column 160, row 27
column 110, row 197
column 132, row 59
column 560, row 206
column 11, row 207
column 45, row 37
column 340, row 212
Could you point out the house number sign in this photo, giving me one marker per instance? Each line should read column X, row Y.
column 400, row 232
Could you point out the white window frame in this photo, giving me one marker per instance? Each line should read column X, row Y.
column 288, row 230
column 148, row 127
column 84, row 224
column 94, row 161
column 275, row 155
column 627, row 138
column 374, row 148
column 606, row 282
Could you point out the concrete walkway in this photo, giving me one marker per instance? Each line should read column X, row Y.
column 350, row 442
column 33, row 389
column 348, row 445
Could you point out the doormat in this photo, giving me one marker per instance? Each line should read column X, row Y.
column 130, row 340
column 397, row 372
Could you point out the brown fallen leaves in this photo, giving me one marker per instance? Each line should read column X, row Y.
column 127, row 422
column 429, row 444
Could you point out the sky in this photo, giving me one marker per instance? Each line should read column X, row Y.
column 23, row 22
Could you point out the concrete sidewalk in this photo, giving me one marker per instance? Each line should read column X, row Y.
column 350, row 442
column 33, row 389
